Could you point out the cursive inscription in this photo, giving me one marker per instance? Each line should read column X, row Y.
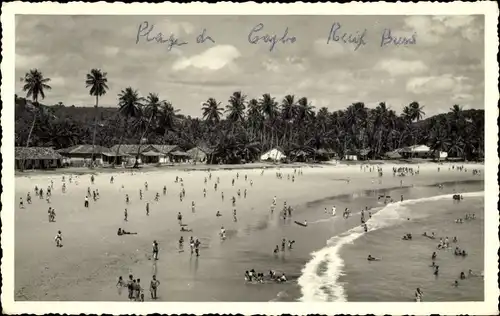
column 271, row 39
column 146, row 30
column 203, row 37
column 357, row 39
column 388, row 39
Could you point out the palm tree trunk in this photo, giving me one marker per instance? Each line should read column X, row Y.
column 95, row 130
column 120, row 142
column 29, row 135
column 140, row 139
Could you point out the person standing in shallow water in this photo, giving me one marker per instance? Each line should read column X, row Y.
column 153, row 287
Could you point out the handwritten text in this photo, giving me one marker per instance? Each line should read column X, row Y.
column 337, row 35
column 272, row 40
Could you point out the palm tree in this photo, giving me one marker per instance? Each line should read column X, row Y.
column 151, row 109
column 34, row 86
column 97, row 82
column 167, row 117
column 269, row 110
column 416, row 111
column 129, row 102
column 236, row 107
column 288, row 112
column 212, row 111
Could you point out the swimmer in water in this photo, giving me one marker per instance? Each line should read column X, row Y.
column 370, row 258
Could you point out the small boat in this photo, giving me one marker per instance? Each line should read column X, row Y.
column 301, row 224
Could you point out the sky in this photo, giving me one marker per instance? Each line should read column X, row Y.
column 442, row 67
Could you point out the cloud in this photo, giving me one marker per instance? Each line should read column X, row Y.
column 212, row 59
column 289, row 64
column 111, row 51
column 330, row 50
column 25, row 62
column 398, row 67
column 432, row 30
column 436, row 84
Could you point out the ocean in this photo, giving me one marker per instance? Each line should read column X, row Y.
column 338, row 270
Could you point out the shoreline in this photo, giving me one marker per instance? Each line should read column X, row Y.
column 248, row 166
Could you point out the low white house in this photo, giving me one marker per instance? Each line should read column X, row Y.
column 273, row 154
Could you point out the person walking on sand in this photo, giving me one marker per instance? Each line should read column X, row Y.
column 21, row 203
column 179, row 218
column 204, row 192
column 58, row 239
column 155, row 250
column 193, row 207
column 130, row 286
column 28, row 198
column 147, row 209
column 138, row 290
column 245, row 193
column 153, row 287
column 140, row 194
column 125, row 214
column 127, row 199
column 164, row 190
column 86, row 203
column 418, row 295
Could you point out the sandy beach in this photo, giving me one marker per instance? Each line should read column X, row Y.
column 93, row 256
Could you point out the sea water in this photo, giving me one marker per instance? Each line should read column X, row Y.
column 340, row 271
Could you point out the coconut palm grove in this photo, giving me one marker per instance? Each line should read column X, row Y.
column 239, row 129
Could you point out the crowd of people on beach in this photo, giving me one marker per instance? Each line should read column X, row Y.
column 135, row 290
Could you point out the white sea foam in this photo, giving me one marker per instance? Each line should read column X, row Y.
column 325, row 287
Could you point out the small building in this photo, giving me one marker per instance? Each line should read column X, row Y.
column 417, row 151
column 197, row 154
column 83, row 154
column 151, row 156
column 37, row 158
column 351, row 155
column 440, row 154
column 165, row 150
column 179, row 156
column 130, row 152
column 273, row 154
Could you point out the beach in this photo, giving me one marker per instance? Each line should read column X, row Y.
column 319, row 268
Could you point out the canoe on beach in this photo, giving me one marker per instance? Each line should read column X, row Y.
column 301, row 224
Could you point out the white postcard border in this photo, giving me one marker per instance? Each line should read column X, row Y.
column 489, row 9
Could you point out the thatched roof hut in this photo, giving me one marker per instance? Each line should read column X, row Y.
column 37, row 158
column 36, row 153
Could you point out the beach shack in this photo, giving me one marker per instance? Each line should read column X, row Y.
column 351, row 155
column 197, row 154
column 131, row 152
column 274, row 154
column 37, row 158
column 417, row 151
column 82, row 154
column 439, row 155
column 179, row 156
column 165, row 150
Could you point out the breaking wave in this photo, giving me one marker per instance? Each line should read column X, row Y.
column 319, row 279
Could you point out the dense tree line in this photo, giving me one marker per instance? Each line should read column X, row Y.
column 241, row 128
